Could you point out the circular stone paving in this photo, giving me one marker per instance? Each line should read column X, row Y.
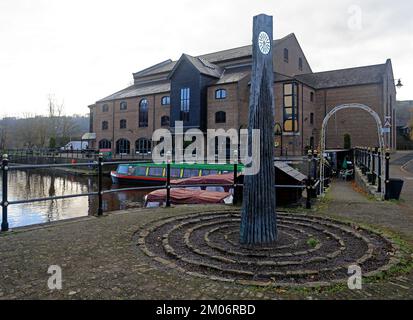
column 310, row 250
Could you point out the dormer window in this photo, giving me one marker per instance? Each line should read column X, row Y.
column 220, row 94
column 123, row 106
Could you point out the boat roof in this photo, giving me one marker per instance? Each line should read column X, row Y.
column 188, row 196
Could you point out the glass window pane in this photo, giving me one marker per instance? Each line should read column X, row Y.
column 288, row 125
column 288, row 88
column 288, row 101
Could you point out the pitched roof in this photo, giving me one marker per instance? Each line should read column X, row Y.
column 139, row 90
column 236, row 53
column 214, row 57
column 344, row 77
column 203, row 66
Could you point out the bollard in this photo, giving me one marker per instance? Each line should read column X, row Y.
column 168, row 179
column 308, row 182
column 387, row 175
column 100, row 173
column 4, row 202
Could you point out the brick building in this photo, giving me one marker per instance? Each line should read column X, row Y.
column 212, row 91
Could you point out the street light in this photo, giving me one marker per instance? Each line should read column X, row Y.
column 399, row 84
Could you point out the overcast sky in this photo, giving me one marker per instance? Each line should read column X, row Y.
column 83, row 50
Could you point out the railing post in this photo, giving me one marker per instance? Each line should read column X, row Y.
column 168, row 179
column 4, row 202
column 379, row 164
column 100, row 187
column 387, row 176
column 373, row 166
column 234, row 186
column 369, row 160
column 308, row 182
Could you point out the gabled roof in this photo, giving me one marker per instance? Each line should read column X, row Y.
column 236, row 53
column 203, row 66
column 344, row 77
column 139, row 90
column 214, row 57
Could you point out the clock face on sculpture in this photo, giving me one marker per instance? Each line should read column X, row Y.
column 264, row 42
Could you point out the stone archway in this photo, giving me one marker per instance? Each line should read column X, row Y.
column 323, row 137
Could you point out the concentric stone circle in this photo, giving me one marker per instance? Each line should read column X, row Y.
column 310, row 251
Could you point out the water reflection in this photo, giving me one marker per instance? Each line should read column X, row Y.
column 24, row 185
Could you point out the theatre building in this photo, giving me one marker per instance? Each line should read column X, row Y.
column 212, row 91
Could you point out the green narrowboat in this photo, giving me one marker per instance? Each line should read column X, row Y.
column 155, row 174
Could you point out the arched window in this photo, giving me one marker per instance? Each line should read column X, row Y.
column 220, row 117
column 166, row 101
column 220, row 94
column 143, row 145
column 143, row 113
column 122, row 146
column 105, row 108
column 123, row 106
column 105, row 144
column 165, row 121
column 123, row 124
column 105, row 125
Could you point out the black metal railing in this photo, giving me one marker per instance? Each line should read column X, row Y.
column 311, row 184
column 370, row 162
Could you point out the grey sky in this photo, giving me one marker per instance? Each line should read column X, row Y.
column 84, row 50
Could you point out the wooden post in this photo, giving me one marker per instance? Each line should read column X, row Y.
column 258, row 215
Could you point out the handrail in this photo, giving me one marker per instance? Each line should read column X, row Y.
column 5, row 168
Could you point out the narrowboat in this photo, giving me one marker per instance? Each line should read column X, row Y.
column 155, row 174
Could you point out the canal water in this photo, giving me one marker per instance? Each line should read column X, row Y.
column 32, row 184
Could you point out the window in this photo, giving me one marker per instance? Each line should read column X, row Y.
column 123, row 106
column 220, row 117
column 122, row 124
column 143, row 113
column 156, row 172
column 105, row 108
column 166, row 101
column 220, row 94
column 285, row 55
column 165, row 121
column 122, row 146
column 300, row 64
column 312, row 96
column 140, row 171
column 105, row 144
column 290, row 105
column 105, row 125
column 185, row 104
column 311, row 118
column 190, row 173
column 175, row 173
column 143, row 145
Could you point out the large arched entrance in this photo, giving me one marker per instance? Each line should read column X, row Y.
column 323, row 137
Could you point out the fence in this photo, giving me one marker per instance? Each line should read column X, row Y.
column 311, row 183
column 370, row 162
